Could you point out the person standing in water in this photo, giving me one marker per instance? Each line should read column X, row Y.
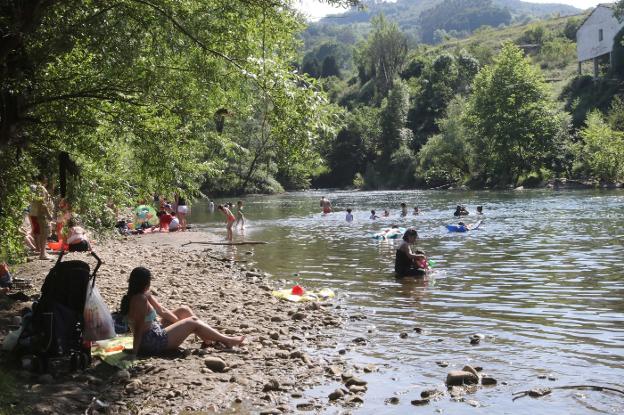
column 408, row 263
column 229, row 221
column 349, row 216
column 403, row 210
column 325, row 205
column 211, row 206
column 240, row 218
column 479, row 210
column 416, row 211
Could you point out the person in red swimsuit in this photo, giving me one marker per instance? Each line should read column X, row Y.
column 229, row 220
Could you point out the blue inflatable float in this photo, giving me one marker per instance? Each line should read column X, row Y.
column 462, row 227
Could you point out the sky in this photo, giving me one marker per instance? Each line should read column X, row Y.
column 315, row 10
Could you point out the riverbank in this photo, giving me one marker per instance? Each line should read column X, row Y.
column 289, row 347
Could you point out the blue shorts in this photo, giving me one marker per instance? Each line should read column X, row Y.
column 154, row 340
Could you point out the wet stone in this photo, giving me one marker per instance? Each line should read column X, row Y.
column 420, row 402
column 335, row 395
column 393, row 400
column 488, row 380
column 460, row 377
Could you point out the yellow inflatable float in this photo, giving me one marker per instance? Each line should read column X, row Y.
column 287, row 294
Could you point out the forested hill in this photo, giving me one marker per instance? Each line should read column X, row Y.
column 430, row 21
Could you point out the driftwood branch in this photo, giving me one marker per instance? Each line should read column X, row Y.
column 538, row 393
column 227, row 243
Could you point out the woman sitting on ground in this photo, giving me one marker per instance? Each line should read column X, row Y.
column 151, row 336
column 408, row 263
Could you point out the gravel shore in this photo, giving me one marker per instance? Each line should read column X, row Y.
column 289, row 348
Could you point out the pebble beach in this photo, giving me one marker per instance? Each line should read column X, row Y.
column 289, row 348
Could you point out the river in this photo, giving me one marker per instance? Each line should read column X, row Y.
column 542, row 279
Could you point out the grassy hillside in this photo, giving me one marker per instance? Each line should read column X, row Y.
column 348, row 27
column 548, row 42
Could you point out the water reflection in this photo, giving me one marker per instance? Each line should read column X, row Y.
column 542, row 279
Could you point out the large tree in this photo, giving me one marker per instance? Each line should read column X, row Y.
column 142, row 94
column 513, row 120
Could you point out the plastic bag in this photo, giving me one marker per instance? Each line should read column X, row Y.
column 10, row 341
column 97, row 318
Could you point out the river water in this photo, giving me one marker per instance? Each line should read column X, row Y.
column 542, row 279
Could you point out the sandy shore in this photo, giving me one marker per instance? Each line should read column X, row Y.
column 290, row 347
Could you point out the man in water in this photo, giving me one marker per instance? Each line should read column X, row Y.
column 325, row 205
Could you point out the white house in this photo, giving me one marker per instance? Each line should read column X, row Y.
column 594, row 38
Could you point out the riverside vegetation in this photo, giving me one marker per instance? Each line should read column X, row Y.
column 136, row 97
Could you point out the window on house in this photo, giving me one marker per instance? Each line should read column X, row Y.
column 599, row 35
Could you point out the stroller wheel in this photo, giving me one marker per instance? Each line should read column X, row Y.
column 73, row 362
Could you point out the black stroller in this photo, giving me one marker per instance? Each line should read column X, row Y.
column 57, row 321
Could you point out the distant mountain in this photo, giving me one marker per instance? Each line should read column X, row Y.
column 427, row 20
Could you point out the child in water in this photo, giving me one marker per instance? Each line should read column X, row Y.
column 403, row 210
column 229, row 221
column 416, row 211
column 240, row 218
column 349, row 217
column 386, row 213
column 479, row 210
column 373, row 216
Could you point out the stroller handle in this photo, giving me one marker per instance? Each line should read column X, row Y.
column 93, row 254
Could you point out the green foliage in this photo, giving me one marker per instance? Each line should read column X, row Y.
column 601, row 149
column 383, row 55
column 583, row 94
column 571, row 27
column 393, row 119
column 330, row 67
column 557, row 53
column 444, row 159
column 615, row 117
column 619, row 10
column 617, row 57
column 461, row 17
column 442, row 78
column 129, row 89
column 535, row 34
column 513, row 122
column 354, row 147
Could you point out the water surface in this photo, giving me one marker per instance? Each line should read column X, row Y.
column 542, row 279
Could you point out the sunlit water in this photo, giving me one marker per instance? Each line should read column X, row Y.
column 542, row 279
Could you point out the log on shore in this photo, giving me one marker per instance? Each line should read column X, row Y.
column 227, row 243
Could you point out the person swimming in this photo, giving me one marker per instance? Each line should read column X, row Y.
column 373, row 215
column 349, row 216
column 461, row 211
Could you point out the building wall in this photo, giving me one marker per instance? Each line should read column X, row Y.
column 588, row 45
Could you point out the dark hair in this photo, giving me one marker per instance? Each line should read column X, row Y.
column 72, row 222
column 139, row 280
column 479, row 207
column 403, row 205
column 373, row 211
column 349, row 210
column 220, row 207
column 408, row 233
